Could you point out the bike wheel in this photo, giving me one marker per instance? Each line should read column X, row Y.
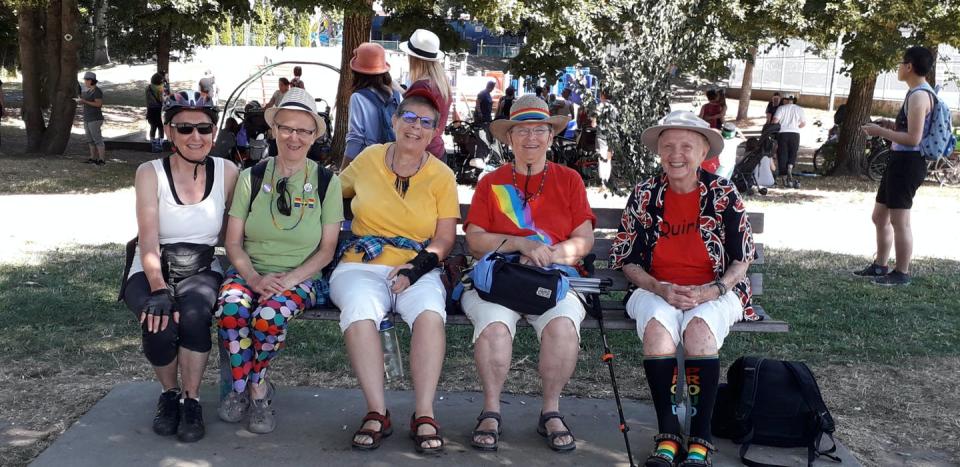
column 947, row 170
column 877, row 164
column 825, row 158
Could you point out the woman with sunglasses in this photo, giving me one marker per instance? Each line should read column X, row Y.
column 280, row 234
column 181, row 201
column 405, row 216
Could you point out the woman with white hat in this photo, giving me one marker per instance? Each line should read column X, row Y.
column 540, row 210
column 426, row 63
column 372, row 103
column 684, row 244
column 282, row 230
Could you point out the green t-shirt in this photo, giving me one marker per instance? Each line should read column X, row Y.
column 271, row 248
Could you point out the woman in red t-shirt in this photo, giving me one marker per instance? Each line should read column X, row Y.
column 539, row 209
column 685, row 244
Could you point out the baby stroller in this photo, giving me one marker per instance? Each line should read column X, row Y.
column 756, row 149
column 255, row 127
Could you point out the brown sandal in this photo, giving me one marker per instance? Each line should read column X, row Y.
column 415, row 423
column 386, row 429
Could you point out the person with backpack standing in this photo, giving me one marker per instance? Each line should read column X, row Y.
column 154, row 97
column 297, row 81
column 503, row 106
column 373, row 102
column 906, row 170
column 426, row 63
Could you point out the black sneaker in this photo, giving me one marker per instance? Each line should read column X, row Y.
column 101, row 162
column 168, row 413
column 873, row 270
column 894, row 278
column 191, row 421
column 91, row 161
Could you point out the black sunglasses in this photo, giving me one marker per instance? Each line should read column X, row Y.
column 187, row 128
column 411, row 118
column 283, row 198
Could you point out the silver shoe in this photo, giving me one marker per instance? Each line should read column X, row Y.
column 234, row 407
column 262, row 417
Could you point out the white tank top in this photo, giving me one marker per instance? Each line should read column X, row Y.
column 190, row 223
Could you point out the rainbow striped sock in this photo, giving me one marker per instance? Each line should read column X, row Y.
column 697, row 452
column 668, row 448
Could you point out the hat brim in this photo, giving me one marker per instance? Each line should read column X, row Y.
column 271, row 113
column 651, row 135
column 405, row 47
column 499, row 128
column 368, row 71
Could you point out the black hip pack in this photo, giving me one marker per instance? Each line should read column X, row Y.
column 528, row 290
column 773, row 403
column 178, row 261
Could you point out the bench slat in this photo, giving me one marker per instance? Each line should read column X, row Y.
column 620, row 282
column 601, row 248
column 613, row 319
column 609, row 218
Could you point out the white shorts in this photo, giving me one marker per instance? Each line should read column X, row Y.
column 720, row 314
column 483, row 313
column 362, row 291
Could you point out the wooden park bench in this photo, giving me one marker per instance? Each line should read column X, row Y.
column 614, row 315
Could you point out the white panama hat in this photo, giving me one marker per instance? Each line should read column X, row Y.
column 424, row 45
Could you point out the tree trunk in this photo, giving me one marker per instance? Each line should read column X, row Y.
column 164, row 37
column 64, row 88
column 356, row 30
column 746, row 86
column 52, row 39
column 31, row 62
column 101, row 55
column 852, row 140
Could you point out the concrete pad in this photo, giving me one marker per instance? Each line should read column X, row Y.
column 315, row 427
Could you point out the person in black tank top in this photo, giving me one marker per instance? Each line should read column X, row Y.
column 905, row 172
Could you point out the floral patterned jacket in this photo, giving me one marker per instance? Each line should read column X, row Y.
column 724, row 228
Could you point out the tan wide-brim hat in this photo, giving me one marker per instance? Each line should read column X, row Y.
column 683, row 120
column 423, row 44
column 299, row 100
column 528, row 109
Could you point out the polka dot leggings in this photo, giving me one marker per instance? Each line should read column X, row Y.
column 254, row 333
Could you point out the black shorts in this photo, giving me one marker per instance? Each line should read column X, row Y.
column 905, row 173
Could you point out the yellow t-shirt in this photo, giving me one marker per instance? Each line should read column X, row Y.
column 379, row 210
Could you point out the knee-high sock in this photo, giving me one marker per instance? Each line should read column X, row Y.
column 703, row 378
column 662, row 378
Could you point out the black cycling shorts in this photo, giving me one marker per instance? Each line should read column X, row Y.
column 905, row 172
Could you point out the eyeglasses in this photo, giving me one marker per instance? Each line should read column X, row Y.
column 411, row 118
column 187, row 128
column 283, row 197
column 289, row 131
column 539, row 131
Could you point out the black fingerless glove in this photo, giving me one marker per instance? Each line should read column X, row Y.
column 423, row 263
column 160, row 303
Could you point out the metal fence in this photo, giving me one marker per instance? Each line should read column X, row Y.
column 793, row 69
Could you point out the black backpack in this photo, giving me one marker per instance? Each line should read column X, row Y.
column 772, row 403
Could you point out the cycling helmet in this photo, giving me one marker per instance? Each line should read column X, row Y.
column 187, row 100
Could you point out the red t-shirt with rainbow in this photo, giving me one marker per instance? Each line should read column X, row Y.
column 549, row 217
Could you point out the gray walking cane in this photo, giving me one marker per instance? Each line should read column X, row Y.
column 593, row 288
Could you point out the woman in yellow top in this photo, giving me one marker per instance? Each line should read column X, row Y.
column 405, row 216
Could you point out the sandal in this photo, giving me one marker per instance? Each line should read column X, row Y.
column 705, row 462
column 415, row 423
column 659, row 459
column 386, row 429
column 493, row 434
column 552, row 437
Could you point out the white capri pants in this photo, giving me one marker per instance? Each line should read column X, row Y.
column 720, row 314
column 483, row 313
column 362, row 291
